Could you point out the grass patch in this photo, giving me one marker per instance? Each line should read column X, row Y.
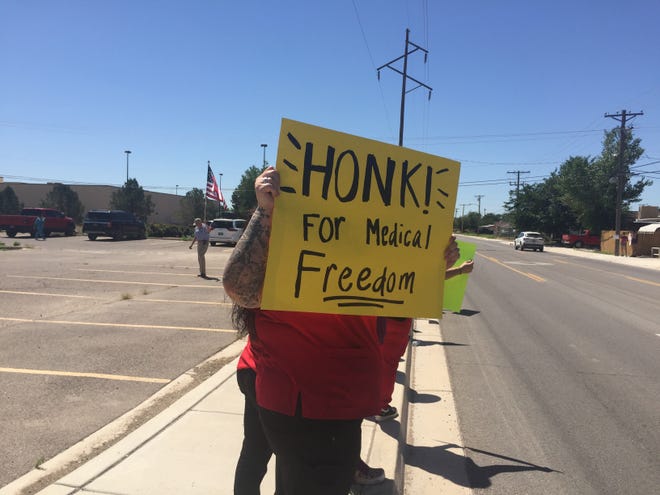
column 125, row 296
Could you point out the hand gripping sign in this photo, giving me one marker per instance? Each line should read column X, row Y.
column 360, row 227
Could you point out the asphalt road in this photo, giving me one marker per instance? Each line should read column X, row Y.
column 555, row 369
column 90, row 329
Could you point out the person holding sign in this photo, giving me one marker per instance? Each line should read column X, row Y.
column 318, row 375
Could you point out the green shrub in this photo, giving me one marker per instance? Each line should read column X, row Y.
column 168, row 230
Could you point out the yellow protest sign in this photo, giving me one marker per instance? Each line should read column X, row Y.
column 360, row 226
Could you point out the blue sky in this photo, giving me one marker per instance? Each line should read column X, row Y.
column 517, row 85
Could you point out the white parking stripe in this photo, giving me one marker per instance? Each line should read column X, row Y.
column 168, row 301
column 114, row 281
column 25, row 293
column 119, row 325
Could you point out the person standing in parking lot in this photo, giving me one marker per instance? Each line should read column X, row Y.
column 39, row 227
column 201, row 237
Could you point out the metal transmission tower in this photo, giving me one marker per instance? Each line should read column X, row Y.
column 405, row 75
column 621, row 117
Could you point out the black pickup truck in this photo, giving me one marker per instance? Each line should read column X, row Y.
column 117, row 224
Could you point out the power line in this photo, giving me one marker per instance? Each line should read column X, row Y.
column 373, row 64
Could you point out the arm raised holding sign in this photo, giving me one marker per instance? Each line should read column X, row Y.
column 244, row 273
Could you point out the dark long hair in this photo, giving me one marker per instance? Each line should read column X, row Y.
column 243, row 320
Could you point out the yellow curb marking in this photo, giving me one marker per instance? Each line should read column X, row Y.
column 113, row 281
column 118, row 325
column 536, row 278
column 102, row 376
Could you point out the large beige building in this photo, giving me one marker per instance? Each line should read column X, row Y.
column 167, row 206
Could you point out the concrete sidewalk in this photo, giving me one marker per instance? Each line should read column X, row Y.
column 192, row 446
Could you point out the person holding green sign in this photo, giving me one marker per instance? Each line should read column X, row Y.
column 318, row 375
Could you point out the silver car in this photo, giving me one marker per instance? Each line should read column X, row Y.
column 226, row 231
column 528, row 240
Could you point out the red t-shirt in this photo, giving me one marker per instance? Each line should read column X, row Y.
column 246, row 359
column 332, row 362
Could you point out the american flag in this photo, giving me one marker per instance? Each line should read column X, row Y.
column 212, row 190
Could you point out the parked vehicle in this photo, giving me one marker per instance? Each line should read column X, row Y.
column 56, row 221
column 117, row 224
column 579, row 240
column 226, row 230
column 528, row 240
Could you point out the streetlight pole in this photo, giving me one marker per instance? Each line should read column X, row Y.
column 128, row 152
column 264, row 147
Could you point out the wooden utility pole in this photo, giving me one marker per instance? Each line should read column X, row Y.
column 463, row 205
column 620, row 173
column 479, row 196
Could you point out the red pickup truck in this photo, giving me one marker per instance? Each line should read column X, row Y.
column 56, row 221
column 581, row 240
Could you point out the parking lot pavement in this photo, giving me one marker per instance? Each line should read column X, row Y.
column 90, row 329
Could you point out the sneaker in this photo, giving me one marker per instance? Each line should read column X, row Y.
column 386, row 413
column 365, row 475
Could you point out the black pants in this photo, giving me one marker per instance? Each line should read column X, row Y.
column 256, row 452
column 314, row 457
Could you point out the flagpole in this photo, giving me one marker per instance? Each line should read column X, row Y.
column 208, row 163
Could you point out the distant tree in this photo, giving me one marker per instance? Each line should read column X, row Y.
column 131, row 197
column 490, row 218
column 243, row 199
column 589, row 185
column 540, row 207
column 63, row 198
column 214, row 209
column 581, row 194
column 192, row 205
column 471, row 221
column 580, row 185
column 9, row 202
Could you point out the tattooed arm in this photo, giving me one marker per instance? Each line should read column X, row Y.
column 244, row 273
